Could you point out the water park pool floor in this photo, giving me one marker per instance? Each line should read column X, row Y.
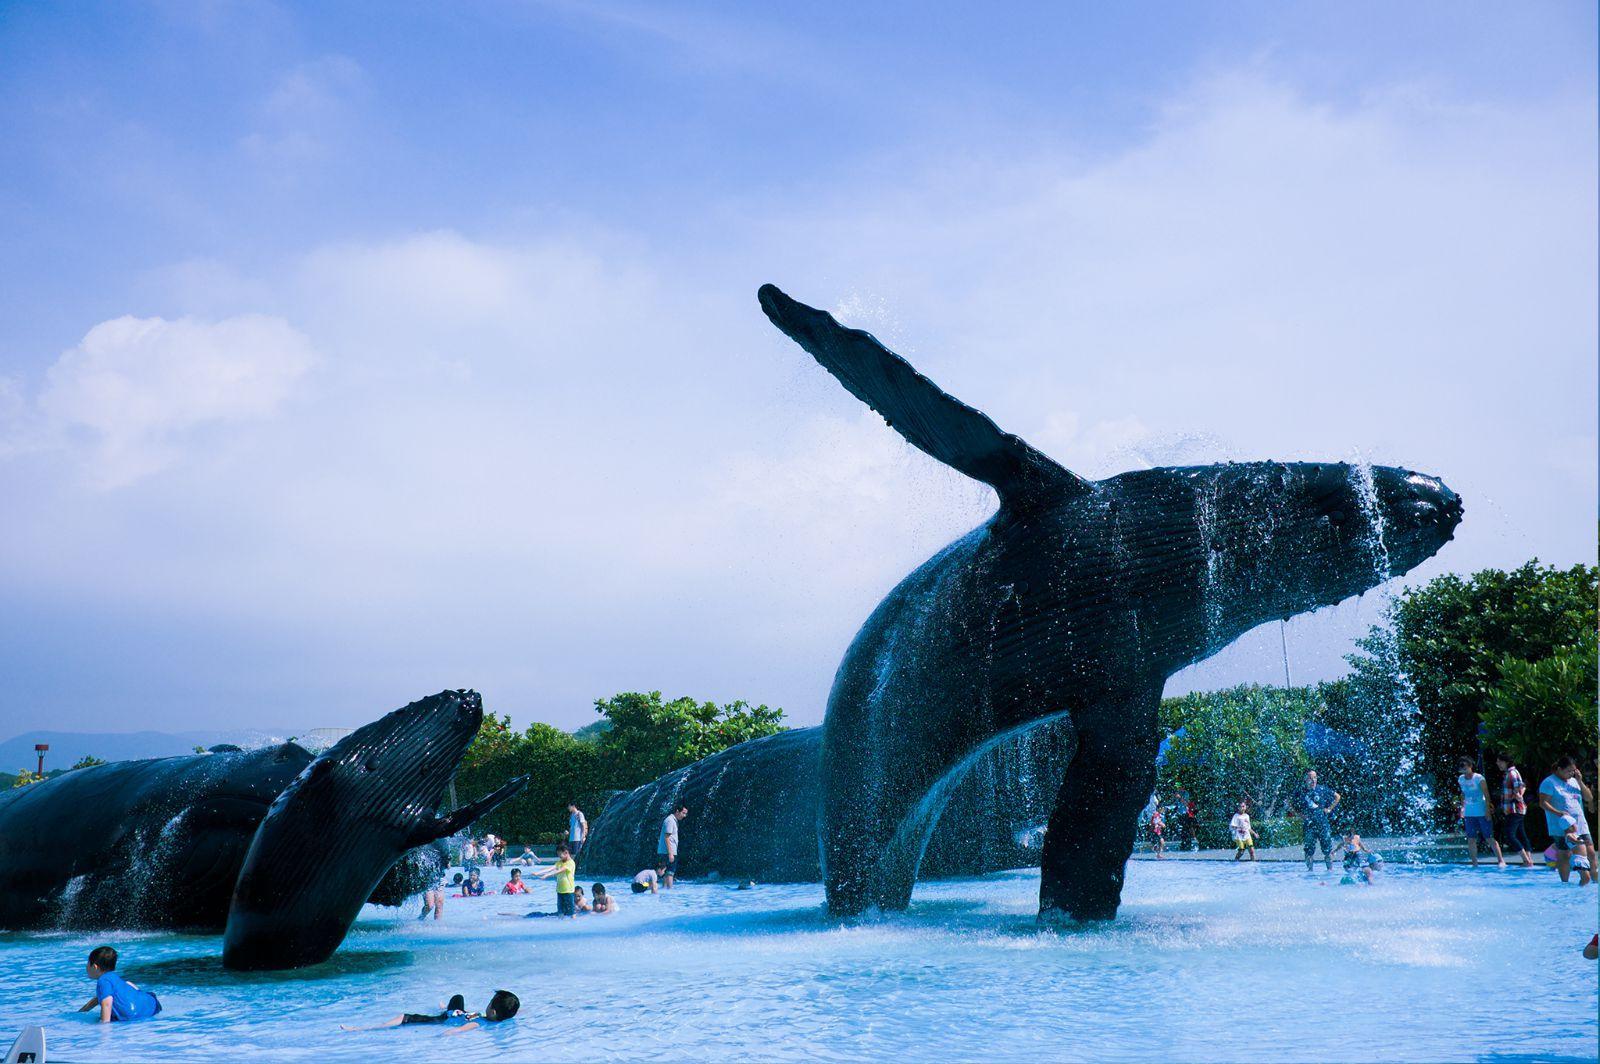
column 1207, row 961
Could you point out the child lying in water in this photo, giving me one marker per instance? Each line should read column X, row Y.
column 502, row 1006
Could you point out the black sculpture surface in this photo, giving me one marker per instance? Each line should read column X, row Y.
column 1079, row 597
column 305, row 879
column 162, row 843
column 754, row 808
column 136, row 844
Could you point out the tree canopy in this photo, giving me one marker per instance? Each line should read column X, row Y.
column 639, row 737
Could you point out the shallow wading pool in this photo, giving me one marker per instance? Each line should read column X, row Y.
column 1207, row 961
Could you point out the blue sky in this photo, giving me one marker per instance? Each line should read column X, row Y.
column 349, row 352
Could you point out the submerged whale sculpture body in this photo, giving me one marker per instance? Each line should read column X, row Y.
column 1077, row 597
column 754, row 809
column 165, row 843
column 156, row 843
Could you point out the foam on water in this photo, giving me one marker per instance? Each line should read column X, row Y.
column 1207, row 960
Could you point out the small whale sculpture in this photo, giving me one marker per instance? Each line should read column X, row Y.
column 330, row 837
column 178, row 842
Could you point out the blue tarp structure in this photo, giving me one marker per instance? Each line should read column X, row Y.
column 1161, row 751
column 1323, row 741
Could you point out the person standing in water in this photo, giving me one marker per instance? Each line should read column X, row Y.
column 433, row 899
column 1563, row 794
column 1475, row 811
column 1158, row 828
column 1513, row 808
column 577, row 829
column 565, row 870
column 1314, row 803
column 667, row 845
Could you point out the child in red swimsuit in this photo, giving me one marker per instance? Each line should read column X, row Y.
column 1158, row 825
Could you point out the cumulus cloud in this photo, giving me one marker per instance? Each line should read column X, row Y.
column 135, row 386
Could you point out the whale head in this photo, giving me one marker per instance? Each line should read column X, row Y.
column 1273, row 539
column 333, row 833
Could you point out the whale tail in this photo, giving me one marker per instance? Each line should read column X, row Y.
column 931, row 419
column 441, row 827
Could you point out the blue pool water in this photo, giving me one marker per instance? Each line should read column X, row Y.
column 1207, row 961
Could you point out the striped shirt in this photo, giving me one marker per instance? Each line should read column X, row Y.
column 1511, row 793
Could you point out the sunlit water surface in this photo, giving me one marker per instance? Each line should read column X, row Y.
column 1207, row 961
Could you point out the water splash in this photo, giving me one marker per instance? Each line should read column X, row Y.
column 1205, row 519
column 150, row 877
column 67, row 906
column 910, row 840
column 1366, row 487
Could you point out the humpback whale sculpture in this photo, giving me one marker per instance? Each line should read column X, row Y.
column 755, row 807
column 1077, row 597
column 109, row 846
column 302, row 885
column 162, row 843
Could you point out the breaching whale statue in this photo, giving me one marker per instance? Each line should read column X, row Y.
column 303, row 884
column 161, row 843
column 1077, row 597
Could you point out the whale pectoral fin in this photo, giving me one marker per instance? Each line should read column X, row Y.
column 444, row 826
column 1091, row 831
column 934, row 421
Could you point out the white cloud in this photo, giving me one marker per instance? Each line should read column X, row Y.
column 137, row 385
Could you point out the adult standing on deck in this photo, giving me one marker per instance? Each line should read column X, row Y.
column 1475, row 811
column 1562, row 795
column 1314, row 802
column 577, row 829
column 667, row 845
column 1191, row 821
column 1513, row 808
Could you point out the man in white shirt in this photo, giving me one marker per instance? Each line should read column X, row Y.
column 577, row 829
column 667, row 845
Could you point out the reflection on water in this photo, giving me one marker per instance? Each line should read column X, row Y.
column 207, row 970
column 1208, row 960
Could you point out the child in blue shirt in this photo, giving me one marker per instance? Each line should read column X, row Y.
column 120, row 1001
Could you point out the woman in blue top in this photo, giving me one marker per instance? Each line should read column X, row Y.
column 120, row 1001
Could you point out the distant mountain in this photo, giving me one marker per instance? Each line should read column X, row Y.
column 590, row 733
column 67, row 747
